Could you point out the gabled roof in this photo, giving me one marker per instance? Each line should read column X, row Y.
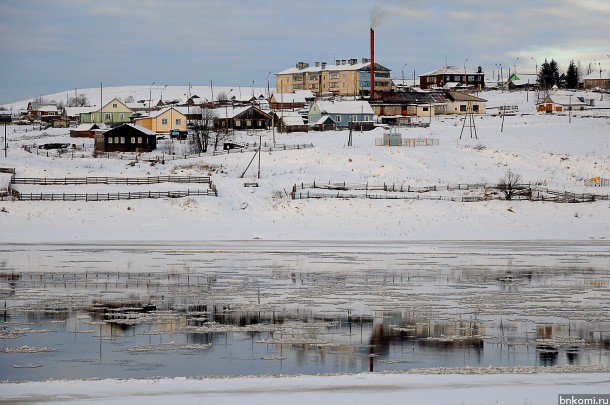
column 344, row 107
column 450, row 70
column 460, row 96
column 233, row 112
column 292, row 119
column 138, row 128
column 288, row 98
column 89, row 127
column 155, row 114
column 325, row 119
column 419, row 97
column 75, row 111
column 332, row 68
column 605, row 75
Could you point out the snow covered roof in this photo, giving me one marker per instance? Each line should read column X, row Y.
column 332, row 68
column 76, row 111
column 324, row 119
column 345, row 107
column 47, row 108
column 89, row 127
column 288, row 98
column 449, row 70
column 292, row 118
column 137, row 106
column 605, row 75
column 145, row 131
column 155, row 114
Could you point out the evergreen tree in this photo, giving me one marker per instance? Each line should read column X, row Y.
column 549, row 74
column 572, row 76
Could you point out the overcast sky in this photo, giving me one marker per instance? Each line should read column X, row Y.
column 51, row 46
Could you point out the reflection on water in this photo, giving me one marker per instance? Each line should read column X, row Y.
column 154, row 311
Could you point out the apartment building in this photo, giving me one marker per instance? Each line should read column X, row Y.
column 344, row 78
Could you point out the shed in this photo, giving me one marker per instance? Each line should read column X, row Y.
column 126, row 138
column 324, row 123
column 291, row 122
column 87, row 130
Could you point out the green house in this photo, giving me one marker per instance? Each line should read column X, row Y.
column 112, row 113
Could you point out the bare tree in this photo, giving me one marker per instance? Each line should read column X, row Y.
column 202, row 128
column 129, row 99
column 222, row 98
column 510, row 184
column 80, row 100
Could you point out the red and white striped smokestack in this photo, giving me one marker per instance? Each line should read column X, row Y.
column 372, row 93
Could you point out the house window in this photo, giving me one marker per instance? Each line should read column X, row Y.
column 178, row 121
column 163, row 121
column 122, row 116
column 116, row 139
column 338, row 118
column 425, row 108
column 114, row 105
column 133, row 140
column 122, row 139
column 238, row 123
column 462, row 107
column 475, row 108
column 248, row 123
column 139, row 139
column 354, row 118
column 297, row 77
column 334, row 85
column 313, row 77
column 334, row 75
column 456, row 78
column 106, row 116
column 109, row 139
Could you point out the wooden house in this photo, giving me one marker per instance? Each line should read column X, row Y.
column 112, row 113
column 241, row 118
column 74, row 113
column 291, row 101
column 391, row 106
column 597, row 79
column 548, row 106
column 126, row 138
column 345, row 114
column 87, row 130
column 450, row 76
column 290, row 121
column 38, row 110
column 163, row 121
column 463, row 103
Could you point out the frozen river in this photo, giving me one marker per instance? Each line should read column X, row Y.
column 259, row 307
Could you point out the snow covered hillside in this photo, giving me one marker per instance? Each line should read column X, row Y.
column 547, row 150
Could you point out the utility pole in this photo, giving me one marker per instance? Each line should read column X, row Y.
column 260, row 145
column 101, row 104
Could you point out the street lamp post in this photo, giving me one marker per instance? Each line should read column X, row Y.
column 601, row 93
column 164, row 87
column 150, row 97
column 403, row 74
column 498, row 67
column 268, row 93
column 465, row 75
column 515, row 66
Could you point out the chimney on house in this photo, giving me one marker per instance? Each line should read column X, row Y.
column 323, row 65
column 372, row 93
column 337, row 62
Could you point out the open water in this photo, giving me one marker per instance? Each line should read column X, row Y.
column 255, row 307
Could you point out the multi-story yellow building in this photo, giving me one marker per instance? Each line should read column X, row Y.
column 344, row 78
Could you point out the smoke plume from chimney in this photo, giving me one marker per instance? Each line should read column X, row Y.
column 377, row 15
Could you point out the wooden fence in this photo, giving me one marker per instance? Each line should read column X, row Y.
column 110, row 196
column 488, row 191
column 44, row 181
